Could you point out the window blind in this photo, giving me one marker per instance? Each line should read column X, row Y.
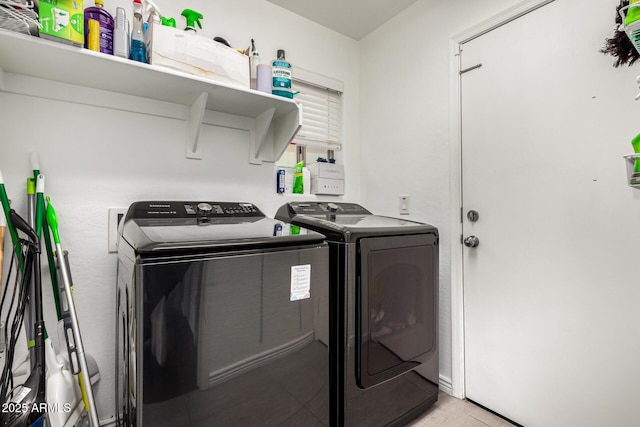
column 321, row 116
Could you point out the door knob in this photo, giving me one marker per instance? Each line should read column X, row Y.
column 471, row 242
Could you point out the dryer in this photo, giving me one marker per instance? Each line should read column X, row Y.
column 222, row 318
column 384, row 311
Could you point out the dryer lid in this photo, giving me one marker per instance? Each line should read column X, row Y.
column 347, row 221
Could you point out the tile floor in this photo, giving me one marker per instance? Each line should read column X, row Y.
column 451, row 412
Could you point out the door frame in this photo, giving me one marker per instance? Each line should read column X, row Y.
column 455, row 173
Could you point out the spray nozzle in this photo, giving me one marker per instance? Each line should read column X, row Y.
column 192, row 18
column 168, row 22
column 153, row 10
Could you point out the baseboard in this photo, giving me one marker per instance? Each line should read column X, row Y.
column 445, row 384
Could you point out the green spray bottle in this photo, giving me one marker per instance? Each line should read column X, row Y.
column 192, row 18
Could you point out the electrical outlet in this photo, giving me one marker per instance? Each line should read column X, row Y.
column 115, row 216
column 404, row 204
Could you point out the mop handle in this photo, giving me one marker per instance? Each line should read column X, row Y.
column 77, row 338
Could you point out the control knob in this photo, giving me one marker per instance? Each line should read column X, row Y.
column 204, row 208
column 332, row 207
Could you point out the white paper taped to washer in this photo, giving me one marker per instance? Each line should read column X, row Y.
column 300, row 282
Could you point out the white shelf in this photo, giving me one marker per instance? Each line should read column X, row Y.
column 274, row 120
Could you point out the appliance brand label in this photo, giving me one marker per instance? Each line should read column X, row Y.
column 300, row 282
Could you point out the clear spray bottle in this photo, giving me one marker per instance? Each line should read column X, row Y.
column 138, row 51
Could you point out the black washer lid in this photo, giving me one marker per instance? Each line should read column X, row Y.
column 154, row 227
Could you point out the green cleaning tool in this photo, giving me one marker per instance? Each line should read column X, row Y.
column 76, row 348
column 192, row 18
column 38, row 202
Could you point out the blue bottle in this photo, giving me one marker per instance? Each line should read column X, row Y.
column 281, row 73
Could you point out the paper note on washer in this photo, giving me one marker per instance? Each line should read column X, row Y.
column 300, row 282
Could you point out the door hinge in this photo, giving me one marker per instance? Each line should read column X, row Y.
column 470, row 68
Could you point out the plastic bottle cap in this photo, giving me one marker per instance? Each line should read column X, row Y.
column 99, row 3
column 280, row 54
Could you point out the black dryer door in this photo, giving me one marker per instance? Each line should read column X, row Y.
column 396, row 293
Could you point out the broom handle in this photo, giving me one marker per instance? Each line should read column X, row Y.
column 75, row 328
column 77, row 338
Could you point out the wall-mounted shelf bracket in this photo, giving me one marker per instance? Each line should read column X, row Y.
column 194, row 124
column 286, row 129
column 260, row 136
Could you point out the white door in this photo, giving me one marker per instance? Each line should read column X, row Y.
column 552, row 291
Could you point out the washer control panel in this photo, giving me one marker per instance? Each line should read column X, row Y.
column 148, row 210
column 321, row 208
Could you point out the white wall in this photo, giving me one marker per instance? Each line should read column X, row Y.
column 404, row 87
column 95, row 158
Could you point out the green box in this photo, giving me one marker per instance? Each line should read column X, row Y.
column 62, row 20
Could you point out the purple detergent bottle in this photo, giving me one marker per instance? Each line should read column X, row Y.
column 105, row 20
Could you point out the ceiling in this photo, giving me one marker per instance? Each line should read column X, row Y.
column 353, row 18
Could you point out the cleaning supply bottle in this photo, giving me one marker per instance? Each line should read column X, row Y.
column 633, row 13
column 298, row 180
column 121, row 40
column 192, row 18
column 138, row 50
column 255, row 61
column 105, row 20
column 281, row 73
